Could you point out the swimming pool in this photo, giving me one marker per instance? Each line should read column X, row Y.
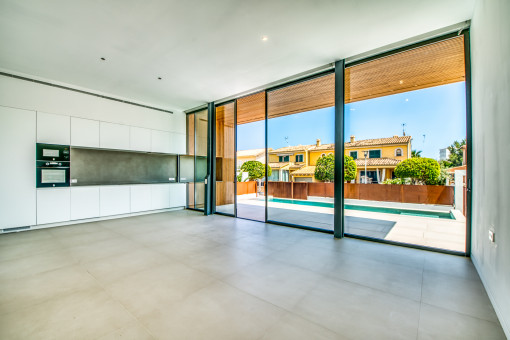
column 407, row 212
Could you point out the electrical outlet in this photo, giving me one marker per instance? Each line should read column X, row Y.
column 492, row 236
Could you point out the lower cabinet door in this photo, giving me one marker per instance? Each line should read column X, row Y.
column 160, row 196
column 140, row 198
column 114, row 200
column 177, row 195
column 53, row 205
column 84, row 202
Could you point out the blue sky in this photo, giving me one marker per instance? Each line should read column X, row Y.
column 434, row 117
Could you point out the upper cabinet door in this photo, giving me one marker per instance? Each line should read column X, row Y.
column 178, row 143
column 160, row 141
column 84, row 132
column 114, row 136
column 140, row 139
column 53, row 129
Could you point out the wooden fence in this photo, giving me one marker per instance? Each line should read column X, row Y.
column 423, row 194
column 244, row 188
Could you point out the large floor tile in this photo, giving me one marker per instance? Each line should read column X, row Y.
column 294, row 327
column 223, row 261
column 215, row 312
column 155, row 289
column 27, row 291
column 358, row 312
column 452, row 265
column 393, row 278
column 280, row 284
column 438, row 323
column 28, row 247
column 457, row 294
column 34, row 264
column 86, row 314
column 133, row 331
column 93, row 251
column 110, row 269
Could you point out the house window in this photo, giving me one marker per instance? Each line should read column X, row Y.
column 354, row 154
column 398, row 152
column 283, row 158
column 374, row 154
column 299, row 158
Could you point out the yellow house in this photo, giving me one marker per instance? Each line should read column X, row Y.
column 250, row 155
column 284, row 161
column 378, row 157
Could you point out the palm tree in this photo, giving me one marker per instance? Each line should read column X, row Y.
column 415, row 153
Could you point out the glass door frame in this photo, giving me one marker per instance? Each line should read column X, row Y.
column 339, row 70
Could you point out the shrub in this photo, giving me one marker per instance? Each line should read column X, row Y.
column 350, row 169
column 419, row 170
column 255, row 170
column 325, row 168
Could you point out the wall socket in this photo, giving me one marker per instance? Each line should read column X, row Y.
column 492, row 235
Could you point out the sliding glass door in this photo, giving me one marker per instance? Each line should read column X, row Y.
column 251, row 157
column 193, row 167
column 301, row 153
column 225, row 159
column 405, row 138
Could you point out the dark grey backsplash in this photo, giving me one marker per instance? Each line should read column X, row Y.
column 100, row 167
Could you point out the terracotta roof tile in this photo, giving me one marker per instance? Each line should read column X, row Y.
column 306, row 170
column 379, row 141
column 291, row 149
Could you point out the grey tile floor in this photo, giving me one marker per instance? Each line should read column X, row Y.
column 181, row 275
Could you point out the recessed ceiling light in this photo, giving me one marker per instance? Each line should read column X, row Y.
column 103, row 59
column 401, row 82
column 265, row 38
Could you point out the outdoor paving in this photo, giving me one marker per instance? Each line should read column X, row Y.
column 424, row 231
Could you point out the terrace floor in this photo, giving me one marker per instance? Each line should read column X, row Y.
column 424, row 231
column 183, row 275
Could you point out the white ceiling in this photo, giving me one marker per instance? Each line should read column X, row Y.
column 203, row 49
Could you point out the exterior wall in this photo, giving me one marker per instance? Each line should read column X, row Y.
column 387, row 151
column 315, row 155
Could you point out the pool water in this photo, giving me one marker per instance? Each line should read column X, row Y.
column 407, row 212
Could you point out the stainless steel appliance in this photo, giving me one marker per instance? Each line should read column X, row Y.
column 52, row 165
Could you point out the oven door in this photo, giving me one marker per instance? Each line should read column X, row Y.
column 53, row 177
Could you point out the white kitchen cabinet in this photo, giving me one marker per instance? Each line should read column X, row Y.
column 177, row 195
column 84, row 132
column 113, row 136
column 53, row 205
column 17, row 180
column 160, row 141
column 178, row 143
column 140, row 198
column 84, row 202
column 140, row 139
column 160, row 196
column 53, row 128
column 114, row 200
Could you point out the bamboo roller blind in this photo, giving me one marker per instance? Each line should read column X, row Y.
column 430, row 65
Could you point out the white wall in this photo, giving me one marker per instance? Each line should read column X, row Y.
column 490, row 52
column 37, row 97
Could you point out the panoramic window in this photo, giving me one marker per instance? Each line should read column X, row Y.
column 407, row 190
column 301, row 120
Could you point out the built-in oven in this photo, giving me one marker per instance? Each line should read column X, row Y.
column 52, row 165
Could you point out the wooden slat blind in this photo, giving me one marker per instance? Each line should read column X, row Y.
column 313, row 94
column 251, row 108
column 431, row 65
